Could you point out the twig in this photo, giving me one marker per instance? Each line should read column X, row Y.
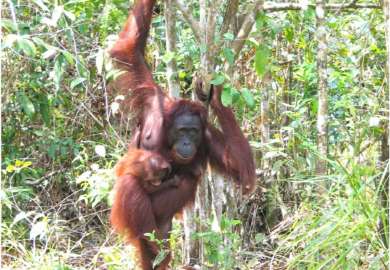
column 40, row 180
column 187, row 14
column 91, row 114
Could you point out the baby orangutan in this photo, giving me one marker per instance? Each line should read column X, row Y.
column 147, row 168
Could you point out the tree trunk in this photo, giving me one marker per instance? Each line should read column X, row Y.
column 190, row 246
column 322, row 136
column 170, row 34
column 384, row 224
column 205, row 31
column 217, row 184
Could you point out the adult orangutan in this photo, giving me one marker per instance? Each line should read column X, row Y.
column 178, row 131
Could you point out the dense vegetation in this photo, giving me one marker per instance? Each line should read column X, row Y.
column 60, row 139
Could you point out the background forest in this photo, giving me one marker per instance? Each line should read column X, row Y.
column 309, row 84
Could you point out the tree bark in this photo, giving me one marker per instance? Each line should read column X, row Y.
column 246, row 28
column 190, row 246
column 170, row 34
column 322, row 116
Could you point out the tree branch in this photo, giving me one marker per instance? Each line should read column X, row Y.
column 230, row 12
column 246, row 28
column 211, row 24
column 271, row 7
column 187, row 14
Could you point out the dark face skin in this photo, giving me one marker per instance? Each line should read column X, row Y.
column 185, row 137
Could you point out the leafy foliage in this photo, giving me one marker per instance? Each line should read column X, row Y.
column 60, row 141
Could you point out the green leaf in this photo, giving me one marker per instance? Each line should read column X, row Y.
column 8, row 24
column 226, row 96
column 261, row 60
column 289, row 34
column 159, row 258
column 218, row 79
column 275, row 27
column 228, row 36
column 314, row 106
column 253, row 41
column 182, row 75
column 39, row 42
column 168, row 57
column 44, row 108
column 309, row 14
column 27, row 46
column 114, row 74
column 52, row 150
column 82, row 67
column 41, row 4
column 9, row 41
column 70, row 15
column 259, row 237
column 58, row 70
column 151, row 236
column 76, row 82
column 235, row 95
column 26, row 104
column 261, row 21
column 229, row 55
column 68, row 57
column 248, row 97
column 57, row 12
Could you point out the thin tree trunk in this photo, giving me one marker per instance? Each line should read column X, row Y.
column 202, row 202
column 386, row 8
column 322, row 116
column 190, row 246
column 170, row 33
column 384, row 224
column 218, row 196
column 265, row 125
